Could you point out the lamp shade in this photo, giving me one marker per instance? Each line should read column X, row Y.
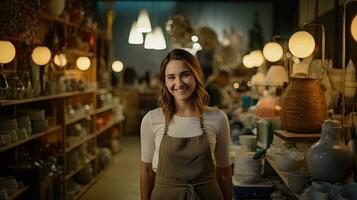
column 7, row 52
column 149, row 41
column 143, row 24
column 301, row 44
column 135, row 37
column 354, row 28
column 83, row 63
column 60, row 60
column 257, row 58
column 276, row 76
column 272, row 51
column 117, row 66
column 247, row 61
column 159, row 39
column 41, row 55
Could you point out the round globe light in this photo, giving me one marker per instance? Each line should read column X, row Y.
column 117, row 66
column 257, row 58
column 247, row 61
column 272, row 51
column 41, row 55
column 83, row 63
column 7, row 52
column 354, row 28
column 301, row 44
column 60, row 60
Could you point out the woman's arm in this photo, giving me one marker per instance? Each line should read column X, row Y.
column 147, row 179
column 224, row 178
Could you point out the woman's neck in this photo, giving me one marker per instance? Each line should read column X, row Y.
column 185, row 109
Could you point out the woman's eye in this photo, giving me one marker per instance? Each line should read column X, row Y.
column 171, row 77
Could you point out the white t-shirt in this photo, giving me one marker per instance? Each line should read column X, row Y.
column 215, row 123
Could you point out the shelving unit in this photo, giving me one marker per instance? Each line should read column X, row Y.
column 56, row 106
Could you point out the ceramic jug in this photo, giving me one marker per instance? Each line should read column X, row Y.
column 329, row 159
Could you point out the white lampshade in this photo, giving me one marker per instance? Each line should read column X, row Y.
column 135, row 37
column 276, row 76
column 149, row 41
column 83, row 63
column 159, row 39
column 257, row 58
column 301, row 44
column 7, row 52
column 143, row 24
column 247, row 61
column 60, row 60
column 41, row 55
column 272, row 51
column 354, row 28
column 117, row 66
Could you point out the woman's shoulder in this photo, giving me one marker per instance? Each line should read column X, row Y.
column 156, row 115
column 214, row 112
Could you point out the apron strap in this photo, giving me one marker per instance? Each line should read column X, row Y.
column 201, row 123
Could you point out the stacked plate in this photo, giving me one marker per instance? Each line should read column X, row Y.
column 105, row 155
column 85, row 175
column 39, row 125
column 9, row 184
column 246, row 169
column 24, row 122
column 3, row 194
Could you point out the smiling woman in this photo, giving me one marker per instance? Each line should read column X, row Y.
column 184, row 143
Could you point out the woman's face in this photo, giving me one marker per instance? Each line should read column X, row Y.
column 179, row 80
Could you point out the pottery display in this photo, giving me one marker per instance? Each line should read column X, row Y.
column 303, row 106
column 329, row 159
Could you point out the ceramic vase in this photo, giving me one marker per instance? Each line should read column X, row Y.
column 303, row 106
column 329, row 159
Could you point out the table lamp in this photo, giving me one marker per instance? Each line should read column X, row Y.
column 7, row 54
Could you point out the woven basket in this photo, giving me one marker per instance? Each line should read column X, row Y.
column 303, row 106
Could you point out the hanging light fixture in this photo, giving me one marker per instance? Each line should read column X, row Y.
column 117, row 66
column 276, row 76
column 247, row 61
column 257, row 58
column 301, row 44
column 7, row 52
column 159, row 39
column 41, row 55
column 273, row 51
column 60, row 60
column 83, row 63
column 149, row 41
column 143, row 23
column 135, row 37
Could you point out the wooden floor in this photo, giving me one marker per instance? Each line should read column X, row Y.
column 121, row 181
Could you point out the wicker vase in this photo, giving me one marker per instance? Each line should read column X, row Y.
column 303, row 106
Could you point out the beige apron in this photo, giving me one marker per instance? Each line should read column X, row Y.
column 186, row 170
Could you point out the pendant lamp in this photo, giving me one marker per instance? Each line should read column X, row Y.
column 83, row 63
column 159, row 39
column 149, row 41
column 135, row 37
column 273, row 51
column 117, row 66
column 143, row 24
column 301, row 44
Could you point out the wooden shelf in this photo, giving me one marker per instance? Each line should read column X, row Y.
column 77, row 118
column 48, row 17
column 79, row 142
column 18, row 193
column 86, row 162
column 304, row 137
column 93, row 181
column 43, row 98
column 102, row 109
column 103, row 129
column 31, row 137
column 79, row 52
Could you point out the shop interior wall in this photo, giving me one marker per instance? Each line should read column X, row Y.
column 218, row 15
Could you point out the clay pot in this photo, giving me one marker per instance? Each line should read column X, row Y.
column 329, row 159
column 303, row 106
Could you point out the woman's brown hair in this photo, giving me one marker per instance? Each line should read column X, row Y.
column 199, row 97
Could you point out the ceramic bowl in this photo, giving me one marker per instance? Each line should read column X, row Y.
column 297, row 181
column 286, row 163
